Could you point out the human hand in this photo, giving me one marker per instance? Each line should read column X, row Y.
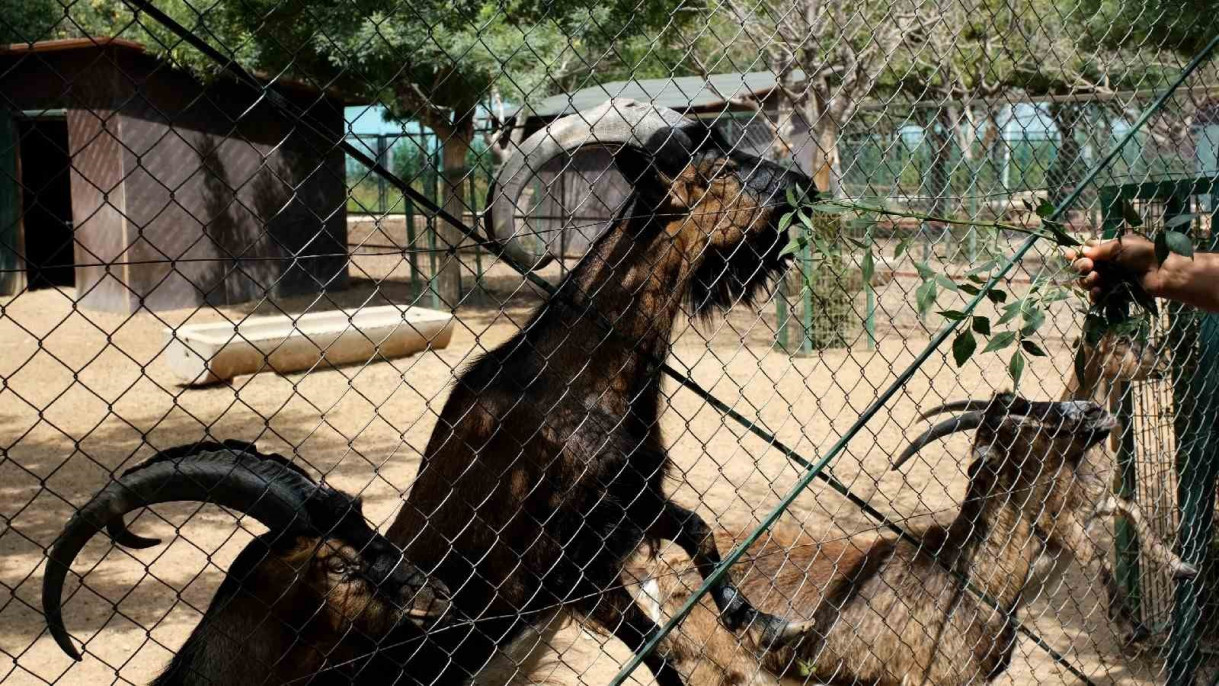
column 1102, row 264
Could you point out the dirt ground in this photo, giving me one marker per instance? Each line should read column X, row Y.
column 85, row 393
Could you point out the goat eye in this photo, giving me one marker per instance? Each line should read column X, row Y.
column 336, row 566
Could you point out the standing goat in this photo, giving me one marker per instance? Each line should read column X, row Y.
column 894, row 611
column 547, row 468
column 1110, row 366
column 307, row 602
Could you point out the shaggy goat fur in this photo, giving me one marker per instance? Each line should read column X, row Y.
column 547, row 467
column 890, row 611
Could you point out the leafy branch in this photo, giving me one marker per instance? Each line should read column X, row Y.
column 1022, row 318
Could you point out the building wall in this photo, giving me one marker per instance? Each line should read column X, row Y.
column 188, row 204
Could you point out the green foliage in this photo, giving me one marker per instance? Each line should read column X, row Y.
column 1181, row 25
column 825, row 279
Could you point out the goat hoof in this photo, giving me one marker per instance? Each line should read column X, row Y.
column 774, row 632
column 1183, row 570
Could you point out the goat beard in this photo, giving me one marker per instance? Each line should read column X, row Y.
column 737, row 275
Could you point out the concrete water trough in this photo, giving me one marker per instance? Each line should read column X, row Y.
column 202, row 354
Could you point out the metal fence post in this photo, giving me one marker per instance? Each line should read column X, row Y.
column 1126, row 546
column 869, row 322
column 1196, row 398
column 11, row 279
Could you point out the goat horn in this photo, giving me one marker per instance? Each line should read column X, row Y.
column 117, row 528
column 617, row 122
column 970, row 405
column 965, row 422
column 264, row 489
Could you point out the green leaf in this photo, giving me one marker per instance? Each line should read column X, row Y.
column 1027, row 205
column 946, row 282
column 1179, row 243
column 1055, row 295
column 791, row 197
column 925, row 272
column 982, row 325
column 925, row 296
column 1094, row 328
column 1015, row 368
column 807, row 220
column 1033, row 319
column 1081, row 362
column 1061, row 237
column 1045, row 209
column 1000, row 341
column 984, row 267
column 977, row 279
column 828, row 208
column 868, row 268
column 794, row 245
column 1010, row 312
column 970, row 289
column 785, row 221
column 1180, row 220
column 997, row 296
column 902, row 246
column 1130, row 214
column 1033, row 349
column 952, row 315
column 1161, row 246
column 963, row 347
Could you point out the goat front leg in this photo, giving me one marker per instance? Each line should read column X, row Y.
column 691, row 533
column 616, row 611
column 1070, row 535
column 1153, row 545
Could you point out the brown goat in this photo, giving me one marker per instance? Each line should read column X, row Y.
column 890, row 611
column 310, row 601
column 546, row 469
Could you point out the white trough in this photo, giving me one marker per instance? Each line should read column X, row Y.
column 206, row 353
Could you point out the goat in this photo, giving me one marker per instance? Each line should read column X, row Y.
column 1111, row 362
column 305, row 602
column 546, row 468
column 1110, row 365
column 886, row 610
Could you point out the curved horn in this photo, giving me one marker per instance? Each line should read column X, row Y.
column 263, row 489
column 117, row 528
column 618, row 122
column 965, row 422
column 968, row 405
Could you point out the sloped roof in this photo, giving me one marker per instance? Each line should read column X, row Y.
column 678, row 93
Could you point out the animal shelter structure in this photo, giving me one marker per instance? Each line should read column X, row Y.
column 128, row 178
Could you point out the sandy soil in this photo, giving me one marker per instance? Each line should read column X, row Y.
column 85, row 393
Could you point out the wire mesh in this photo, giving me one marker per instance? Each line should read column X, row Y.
column 303, row 224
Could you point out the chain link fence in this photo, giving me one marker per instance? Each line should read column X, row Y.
column 433, row 343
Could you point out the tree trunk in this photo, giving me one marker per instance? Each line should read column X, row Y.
column 447, row 280
column 939, row 180
column 825, row 155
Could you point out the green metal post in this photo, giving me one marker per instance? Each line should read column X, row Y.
column 1196, row 400
column 869, row 322
column 782, row 315
column 1126, row 545
column 806, row 299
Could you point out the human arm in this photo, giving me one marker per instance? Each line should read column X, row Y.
column 1191, row 281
